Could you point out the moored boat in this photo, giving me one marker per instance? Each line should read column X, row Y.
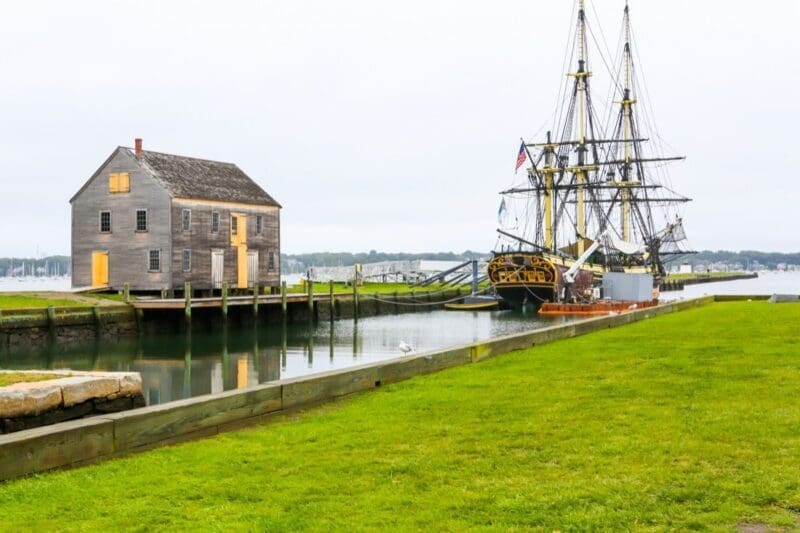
column 588, row 186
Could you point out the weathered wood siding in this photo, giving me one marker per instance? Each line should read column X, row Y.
column 201, row 241
column 128, row 250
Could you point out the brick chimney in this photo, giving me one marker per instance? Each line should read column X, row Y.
column 138, row 147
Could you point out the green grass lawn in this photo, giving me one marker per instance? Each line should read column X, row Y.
column 686, row 421
column 37, row 300
column 375, row 288
column 693, row 275
column 9, row 378
column 25, row 301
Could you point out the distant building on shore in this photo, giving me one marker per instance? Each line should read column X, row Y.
column 158, row 220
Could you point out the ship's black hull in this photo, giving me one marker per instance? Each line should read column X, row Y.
column 529, row 297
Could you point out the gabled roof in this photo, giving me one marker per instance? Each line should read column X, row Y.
column 201, row 179
column 197, row 179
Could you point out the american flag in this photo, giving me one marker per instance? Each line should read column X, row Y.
column 521, row 156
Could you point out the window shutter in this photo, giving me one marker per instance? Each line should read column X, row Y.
column 113, row 182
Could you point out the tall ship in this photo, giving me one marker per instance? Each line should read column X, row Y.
column 595, row 196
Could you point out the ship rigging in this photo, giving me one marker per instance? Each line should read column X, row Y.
column 581, row 181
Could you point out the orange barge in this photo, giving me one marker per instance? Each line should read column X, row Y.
column 594, row 308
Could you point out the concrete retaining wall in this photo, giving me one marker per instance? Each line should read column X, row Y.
column 74, row 443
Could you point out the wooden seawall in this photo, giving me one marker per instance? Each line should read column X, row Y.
column 75, row 443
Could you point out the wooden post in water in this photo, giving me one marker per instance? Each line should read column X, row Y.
column 310, row 287
column 126, row 292
column 187, row 306
column 51, row 321
column 255, row 301
column 283, row 301
column 187, row 368
column 224, row 302
column 96, row 319
column 333, row 301
column 355, row 292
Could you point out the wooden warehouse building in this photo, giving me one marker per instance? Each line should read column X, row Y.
column 158, row 220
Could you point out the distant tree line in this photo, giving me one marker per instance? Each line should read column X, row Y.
column 293, row 263
column 745, row 257
column 301, row 262
column 44, row 266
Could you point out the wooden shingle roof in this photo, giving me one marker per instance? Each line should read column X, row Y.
column 201, row 179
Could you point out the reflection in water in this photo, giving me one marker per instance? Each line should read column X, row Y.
column 187, row 368
column 180, row 366
column 310, row 345
column 284, row 345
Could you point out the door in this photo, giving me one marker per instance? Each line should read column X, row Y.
column 217, row 268
column 239, row 243
column 99, row 269
column 252, row 267
column 241, row 266
column 238, row 229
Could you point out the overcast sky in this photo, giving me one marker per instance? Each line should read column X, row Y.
column 388, row 126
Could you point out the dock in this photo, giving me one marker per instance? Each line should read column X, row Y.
column 217, row 302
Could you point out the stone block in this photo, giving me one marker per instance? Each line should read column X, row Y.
column 28, row 399
column 130, row 384
column 79, row 389
column 102, row 405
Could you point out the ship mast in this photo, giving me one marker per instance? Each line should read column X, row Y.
column 627, row 118
column 549, row 193
column 580, row 171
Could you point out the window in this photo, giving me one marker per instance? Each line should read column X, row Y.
column 141, row 220
column 187, row 260
column 258, row 224
column 186, row 219
column 234, row 225
column 119, row 182
column 105, row 221
column 215, row 222
column 154, row 263
column 271, row 261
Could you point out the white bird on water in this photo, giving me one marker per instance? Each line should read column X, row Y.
column 405, row 348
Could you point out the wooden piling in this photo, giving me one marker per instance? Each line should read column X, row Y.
column 255, row 300
column 225, row 302
column 126, row 292
column 310, row 287
column 332, row 300
column 51, row 320
column 355, row 292
column 139, row 320
column 96, row 318
column 283, row 301
column 187, row 307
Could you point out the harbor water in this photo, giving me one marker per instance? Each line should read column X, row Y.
column 177, row 366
